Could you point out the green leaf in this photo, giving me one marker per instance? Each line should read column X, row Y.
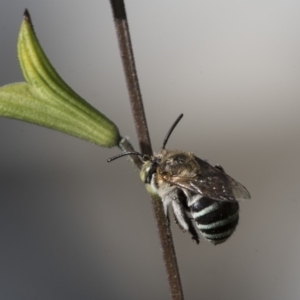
column 48, row 101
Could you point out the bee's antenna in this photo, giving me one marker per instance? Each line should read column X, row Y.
column 124, row 154
column 171, row 130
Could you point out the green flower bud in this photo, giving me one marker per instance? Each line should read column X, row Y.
column 48, row 101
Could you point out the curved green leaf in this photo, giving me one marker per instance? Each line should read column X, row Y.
column 48, row 101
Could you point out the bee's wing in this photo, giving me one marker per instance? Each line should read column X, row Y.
column 213, row 183
column 238, row 190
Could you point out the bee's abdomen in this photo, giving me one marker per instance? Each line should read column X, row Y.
column 216, row 220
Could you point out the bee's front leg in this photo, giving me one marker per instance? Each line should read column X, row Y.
column 166, row 200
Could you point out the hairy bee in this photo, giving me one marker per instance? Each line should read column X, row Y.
column 203, row 197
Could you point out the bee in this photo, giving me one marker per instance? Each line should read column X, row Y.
column 203, row 197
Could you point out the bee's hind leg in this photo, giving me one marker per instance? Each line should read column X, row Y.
column 182, row 217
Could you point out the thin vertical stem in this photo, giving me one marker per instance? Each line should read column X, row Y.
column 120, row 19
column 123, row 35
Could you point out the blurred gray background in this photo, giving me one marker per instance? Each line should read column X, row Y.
column 74, row 227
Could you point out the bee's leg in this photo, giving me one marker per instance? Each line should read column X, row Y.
column 182, row 217
column 166, row 200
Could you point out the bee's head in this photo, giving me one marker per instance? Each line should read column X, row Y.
column 150, row 163
column 148, row 169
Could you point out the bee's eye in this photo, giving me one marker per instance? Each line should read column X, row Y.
column 149, row 173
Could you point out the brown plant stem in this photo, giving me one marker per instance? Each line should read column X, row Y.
column 126, row 146
column 133, row 87
column 123, row 35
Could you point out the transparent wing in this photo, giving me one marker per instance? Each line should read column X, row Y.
column 238, row 190
column 211, row 182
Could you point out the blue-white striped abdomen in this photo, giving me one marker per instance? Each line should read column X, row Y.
column 216, row 220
